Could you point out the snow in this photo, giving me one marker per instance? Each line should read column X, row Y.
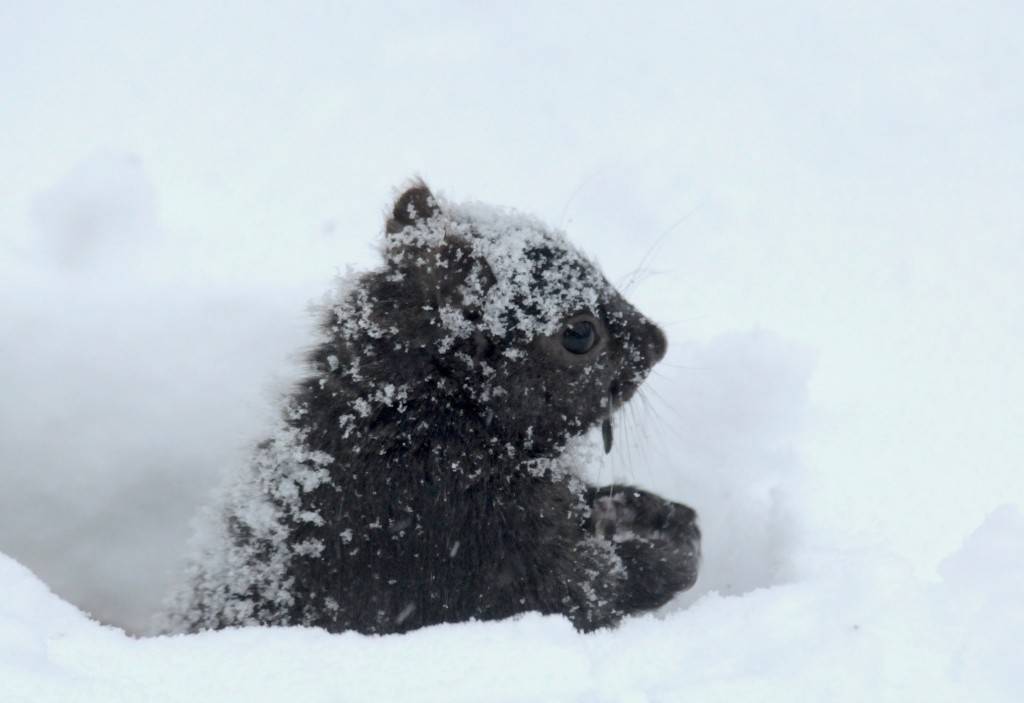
column 864, row 629
column 824, row 203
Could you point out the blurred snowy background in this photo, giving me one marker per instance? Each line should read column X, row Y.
column 821, row 203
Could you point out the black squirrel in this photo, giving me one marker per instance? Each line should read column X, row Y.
column 425, row 471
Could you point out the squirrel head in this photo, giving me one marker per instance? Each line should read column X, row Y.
column 524, row 329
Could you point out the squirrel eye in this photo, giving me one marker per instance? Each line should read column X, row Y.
column 579, row 337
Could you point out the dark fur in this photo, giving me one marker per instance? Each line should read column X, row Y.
column 456, row 503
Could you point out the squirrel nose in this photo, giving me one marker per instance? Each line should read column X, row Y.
column 657, row 344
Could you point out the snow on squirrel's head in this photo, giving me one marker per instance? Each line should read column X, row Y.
column 497, row 270
column 524, row 331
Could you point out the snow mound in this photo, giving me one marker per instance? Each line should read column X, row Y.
column 852, row 627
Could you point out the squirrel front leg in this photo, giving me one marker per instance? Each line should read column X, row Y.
column 657, row 540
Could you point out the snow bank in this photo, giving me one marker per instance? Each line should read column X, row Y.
column 862, row 628
column 128, row 383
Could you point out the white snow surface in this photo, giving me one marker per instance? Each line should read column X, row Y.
column 821, row 204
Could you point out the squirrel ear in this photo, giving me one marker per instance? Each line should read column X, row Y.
column 449, row 271
column 416, row 203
